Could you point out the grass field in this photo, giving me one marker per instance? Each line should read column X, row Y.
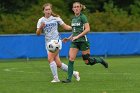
column 34, row 76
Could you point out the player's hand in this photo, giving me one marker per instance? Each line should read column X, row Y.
column 39, row 30
column 42, row 25
column 74, row 38
column 65, row 40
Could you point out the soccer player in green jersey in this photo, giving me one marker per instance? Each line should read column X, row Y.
column 80, row 27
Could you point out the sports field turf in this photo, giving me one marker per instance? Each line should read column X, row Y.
column 34, row 76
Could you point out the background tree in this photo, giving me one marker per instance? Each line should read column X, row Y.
column 12, row 6
column 21, row 16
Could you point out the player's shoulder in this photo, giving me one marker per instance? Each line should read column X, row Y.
column 83, row 15
column 56, row 18
column 41, row 19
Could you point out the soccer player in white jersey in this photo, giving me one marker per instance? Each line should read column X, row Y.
column 49, row 25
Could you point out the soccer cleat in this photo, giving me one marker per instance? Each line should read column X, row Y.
column 77, row 75
column 55, row 80
column 66, row 81
column 105, row 64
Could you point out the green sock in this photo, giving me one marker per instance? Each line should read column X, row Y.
column 94, row 60
column 98, row 60
column 70, row 69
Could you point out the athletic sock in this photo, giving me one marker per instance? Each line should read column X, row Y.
column 96, row 60
column 64, row 67
column 74, row 73
column 70, row 69
column 93, row 60
column 53, row 68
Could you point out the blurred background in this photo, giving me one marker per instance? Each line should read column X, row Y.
column 21, row 16
column 115, row 35
column 115, row 26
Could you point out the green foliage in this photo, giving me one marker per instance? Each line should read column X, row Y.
column 107, row 17
column 92, row 5
column 17, row 24
column 113, row 19
column 10, row 6
column 123, row 4
column 135, row 8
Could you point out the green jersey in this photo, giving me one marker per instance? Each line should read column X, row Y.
column 78, row 27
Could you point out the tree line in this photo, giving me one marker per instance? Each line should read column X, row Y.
column 20, row 16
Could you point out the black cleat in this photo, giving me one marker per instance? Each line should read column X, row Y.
column 105, row 64
column 66, row 81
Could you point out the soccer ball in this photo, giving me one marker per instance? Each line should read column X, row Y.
column 53, row 46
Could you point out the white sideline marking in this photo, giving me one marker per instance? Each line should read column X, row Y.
column 109, row 73
column 26, row 72
column 114, row 73
column 11, row 70
column 20, row 71
column 7, row 70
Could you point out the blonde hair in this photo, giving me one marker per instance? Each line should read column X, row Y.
column 49, row 4
column 83, row 7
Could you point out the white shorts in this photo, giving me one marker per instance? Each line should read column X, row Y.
column 59, row 41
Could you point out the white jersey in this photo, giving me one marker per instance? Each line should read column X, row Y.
column 51, row 27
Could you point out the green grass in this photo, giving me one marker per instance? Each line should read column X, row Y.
column 34, row 76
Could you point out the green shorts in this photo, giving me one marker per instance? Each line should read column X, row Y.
column 80, row 45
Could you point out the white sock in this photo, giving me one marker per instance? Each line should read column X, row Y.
column 53, row 67
column 74, row 73
column 64, row 67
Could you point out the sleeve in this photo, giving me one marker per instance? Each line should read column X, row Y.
column 84, row 19
column 39, row 23
column 60, row 21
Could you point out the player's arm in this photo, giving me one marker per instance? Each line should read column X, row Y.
column 86, row 30
column 66, row 27
column 63, row 25
column 67, row 39
column 39, row 30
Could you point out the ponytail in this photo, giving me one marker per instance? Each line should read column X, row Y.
column 55, row 15
column 83, row 6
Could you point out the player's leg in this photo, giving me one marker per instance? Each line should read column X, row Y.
column 72, row 55
column 84, row 47
column 64, row 67
column 53, row 66
column 92, row 60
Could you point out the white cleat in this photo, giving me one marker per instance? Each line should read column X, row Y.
column 77, row 75
column 55, row 81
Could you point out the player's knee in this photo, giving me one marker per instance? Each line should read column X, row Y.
column 59, row 66
column 71, row 58
column 50, row 59
column 86, row 56
column 58, row 63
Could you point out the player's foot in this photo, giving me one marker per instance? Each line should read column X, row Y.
column 66, row 81
column 77, row 75
column 104, row 63
column 55, row 80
